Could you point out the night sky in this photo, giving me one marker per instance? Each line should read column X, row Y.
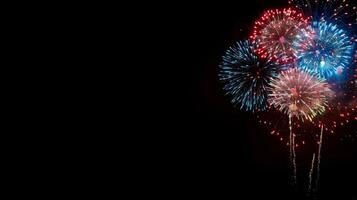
column 227, row 154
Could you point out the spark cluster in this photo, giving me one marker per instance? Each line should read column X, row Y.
column 246, row 76
column 323, row 49
column 275, row 32
column 342, row 12
column 299, row 94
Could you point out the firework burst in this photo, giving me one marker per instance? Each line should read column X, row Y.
column 246, row 76
column 323, row 49
column 299, row 94
column 275, row 31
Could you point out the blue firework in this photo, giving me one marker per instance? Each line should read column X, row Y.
column 323, row 49
column 246, row 77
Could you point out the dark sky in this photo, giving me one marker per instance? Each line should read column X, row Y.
column 227, row 153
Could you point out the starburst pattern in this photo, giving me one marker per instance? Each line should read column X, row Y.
column 299, row 94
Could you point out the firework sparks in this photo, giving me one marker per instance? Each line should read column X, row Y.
column 298, row 67
column 275, row 31
column 323, row 49
column 299, row 94
column 342, row 108
column 246, row 76
column 342, row 12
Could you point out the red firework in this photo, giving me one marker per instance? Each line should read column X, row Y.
column 275, row 31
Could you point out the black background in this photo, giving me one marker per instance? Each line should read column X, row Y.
column 222, row 152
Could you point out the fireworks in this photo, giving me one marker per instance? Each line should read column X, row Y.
column 342, row 12
column 246, row 76
column 297, row 93
column 323, row 49
column 275, row 31
column 298, row 65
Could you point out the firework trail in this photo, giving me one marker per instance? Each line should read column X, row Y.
column 311, row 173
column 292, row 153
column 318, row 159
